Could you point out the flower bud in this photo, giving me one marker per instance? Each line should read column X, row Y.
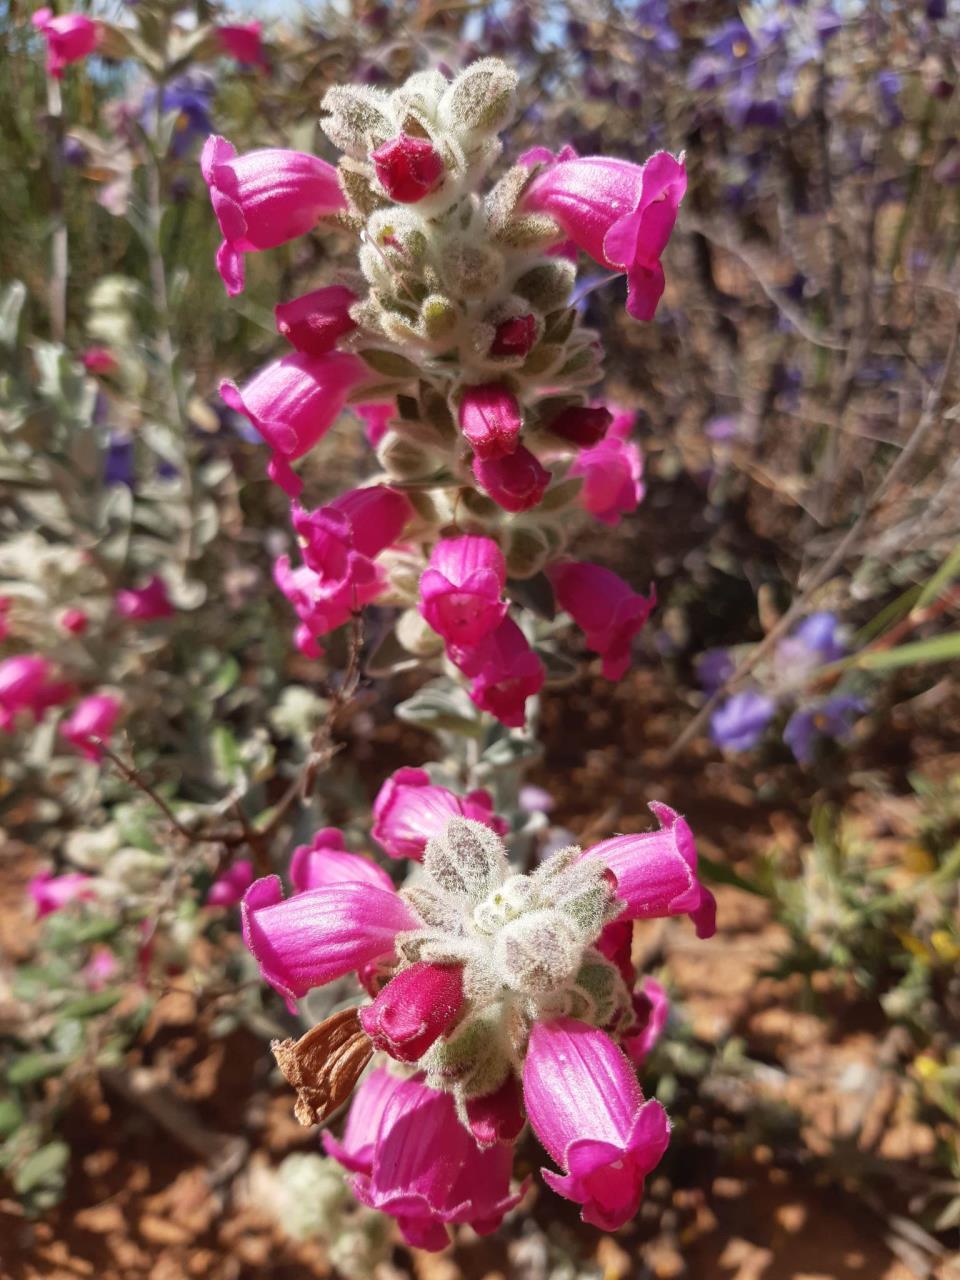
column 414, row 1009
column 313, row 322
column 582, row 425
column 408, row 168
column 514, row 337
column 490, row 420
column 516, row 482
column 538, row 951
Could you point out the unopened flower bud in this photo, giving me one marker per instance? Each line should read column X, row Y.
column 408, row 168
column 516, row 482
column 514, row 337
column 490, row 420
column 582, row 425
column 414, row 1009
column 538, row 951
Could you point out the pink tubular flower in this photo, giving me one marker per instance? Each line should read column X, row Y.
column 318, row 612
column 428, row 1171
column 146, row 603
column 263, row 199
column 293, row 402
column 356, row 1150
column 325, row 861
column 514, row 337
column 310, row 939
column 621, row 214
column 651, row 1008
column 100, row 968
column 505, row 672
column 229, row 887
column 52, row 893
column 69, row 37
column 462, row 587
column 27, row 685
column 92, row 717
column 583, row 425
column 657, row 872
column 586, row 1107
column 313, row 322
column 409, row 810
column 408, row 168
column 243, row 43
column 98, row 360
column 377, row 416
column 497, row 1116
column 490, row 420
column 607, row 609
column 612, row 483
column 416, row 1007
column 516, row 482
column 75, row 621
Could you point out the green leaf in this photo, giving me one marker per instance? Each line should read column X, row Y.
column 87, row 1006
column 11, row 305
column 11, row 1116
column 719, row 873
column 46, row 1167
column 943, row 648
column 36, row 1066
column 511, row 751
column 944, row 576
column 440, row 704
column 389, row 363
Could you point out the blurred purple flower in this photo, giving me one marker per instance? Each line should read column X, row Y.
column 714, row 668
column 829, row 718
column 738, row 724
column 118, row 462
column 191, row 95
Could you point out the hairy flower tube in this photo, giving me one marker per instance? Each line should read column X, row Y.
column 494, row 995
column 264, row 199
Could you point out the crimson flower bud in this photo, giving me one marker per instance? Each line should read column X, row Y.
column 581, row 424
column 516, row 482
column 408, row 168
column 514, row 337
column 414, row 1009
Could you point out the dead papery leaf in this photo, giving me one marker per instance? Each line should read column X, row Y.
column 324, row 1065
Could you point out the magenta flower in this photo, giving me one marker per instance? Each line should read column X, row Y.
column 91, row 718
column 27, row 685
column 320, row 934
column 612, row 479
column 516, row 482
column 325, row 861
column 409, row 810
column 408, row 168
column 230, row 886
column 586, row 1107
column 293, row 403
column 315, row 321
column 498, row 1116
column 263, row 199
column 461, row 589
column 243, row 42
column 52, row 893
column 377, row 416
column 69, row 36
column 428, row 1171
column 356, row 1151
column 490, row 420
column 514, row 337
column 505, row 672
column 651, row 1008
column 100, row 968
column 583, row 425
column 146, row 603
column 414, row 1009
column 319, row 614
column 607, row 609
column 99, row 360
column 74, row 621
column 621, row 214
column 657, row 872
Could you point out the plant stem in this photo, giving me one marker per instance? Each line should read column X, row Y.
column 59, row 252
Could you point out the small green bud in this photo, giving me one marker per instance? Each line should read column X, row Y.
column 470, row 269
column 481, row 98
column 547, row 286
column 527, row 552
column 439, row 317
column 404, row 459
column 359, row 119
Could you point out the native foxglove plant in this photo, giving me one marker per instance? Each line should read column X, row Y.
column 458, row 342
column 496, row 997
